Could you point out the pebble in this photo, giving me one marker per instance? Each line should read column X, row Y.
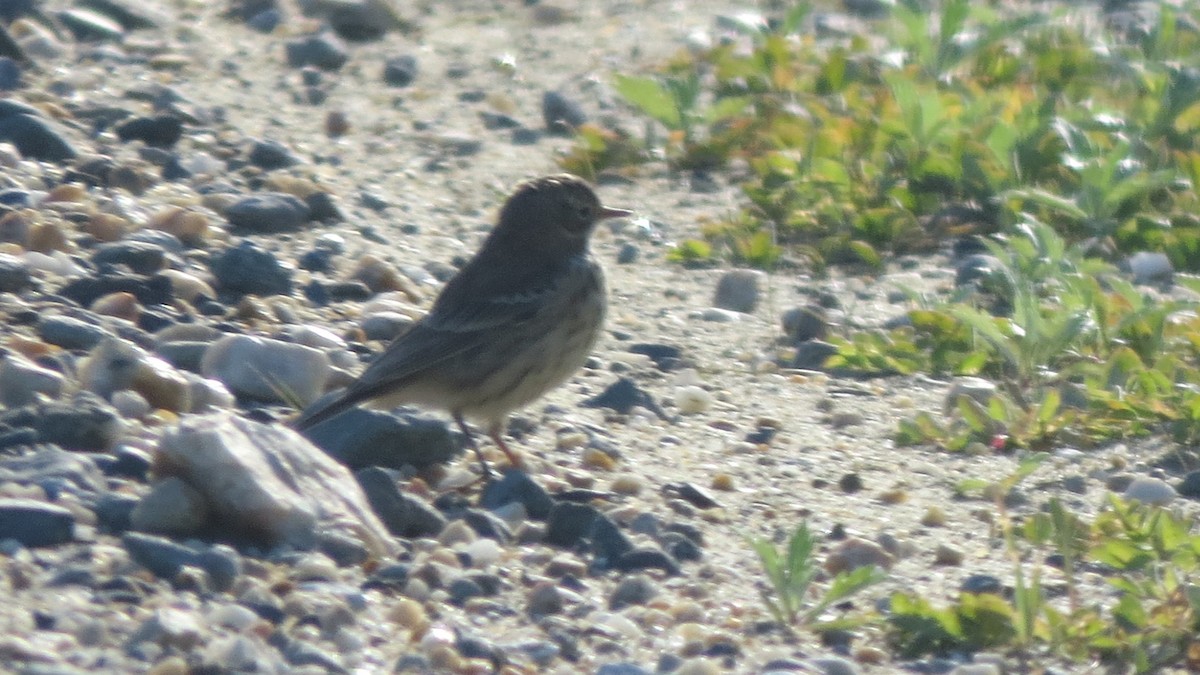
column 633, row 589
column 267, row 369
column 806, row 323
column 692, row 400
column 402, row 514
column 69, row 332
column 22, row 381
column 171, row 507
column 1150, row 267
column 1190, row 485
column 268, row 212
column 854, row 553
column 36, row 137
column 14, row 274
column 560, row 114
column 265, row 482
column 159, row 131
column 400, row 71
column 34, row 523
column 738, row 290
column 1148, row 490
column 324, row 51
column 362, row 438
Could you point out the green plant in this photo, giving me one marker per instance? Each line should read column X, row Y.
column 792, row 577
column 676, row 101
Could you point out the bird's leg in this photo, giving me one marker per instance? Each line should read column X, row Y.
column 496, row 433
column 462, row 424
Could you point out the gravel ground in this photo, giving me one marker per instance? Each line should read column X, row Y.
column 116, row 558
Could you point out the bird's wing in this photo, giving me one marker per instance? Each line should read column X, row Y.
column 449, row 330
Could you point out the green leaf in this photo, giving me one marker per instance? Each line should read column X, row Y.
column 1054, row 202
column 651, row 98
column 726, row 108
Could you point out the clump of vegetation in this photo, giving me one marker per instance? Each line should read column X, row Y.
column 1063, row 138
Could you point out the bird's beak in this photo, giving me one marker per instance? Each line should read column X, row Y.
column 606, row 212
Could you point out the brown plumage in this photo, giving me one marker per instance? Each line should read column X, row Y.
column 516, row 321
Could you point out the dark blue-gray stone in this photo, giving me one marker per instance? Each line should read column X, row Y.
column 160, row 555
column 10, row 74
column 36, row 138
column 517, row 486
column 84, row 423
column 55, row 470
column 681, row 548
column 268, row 212
column 403, row 514
column 344, row 549
column 246, row 268
column 14, row 274
column 139, row 256
column 268, row 154
column 463, row 589
column 114, row 512
column 400, row 71
column 561, row 114
column 487, row 524
column 153, row 290
column 569, row 523
column 324, row 51
column 160, row 131
column 608, row 542
column 360, row 438
column 35, row 523
column 647, row 558
column 69, row 332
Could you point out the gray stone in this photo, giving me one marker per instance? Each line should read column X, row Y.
column 69, row 332
column 246, row 268
column 403, row 514
column 36, row 138
column 361, row 438
column 35, row 523
column 738, row 290
column 266, row 482
column 268, row 212
column 14, row 274
column 1148, row 490
column 267, row 370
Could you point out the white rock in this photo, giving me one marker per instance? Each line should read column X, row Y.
column 22, row 380
column 314, row 336
column 692, row 399
column 130, row 404
column 188, row 287
column 171, row 507
column 236, row 617
column 268, row 482
column 1149, row 490
column 55, row 263
column 483, row 552
column 718, row 315
column 1148, row 267
column 266, row 369
column 207, row 394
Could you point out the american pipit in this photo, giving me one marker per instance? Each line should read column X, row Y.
column 516, row 321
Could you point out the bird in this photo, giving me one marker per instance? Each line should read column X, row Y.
column 516, row 321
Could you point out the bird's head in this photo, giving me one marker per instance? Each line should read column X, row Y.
column 555, row 214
